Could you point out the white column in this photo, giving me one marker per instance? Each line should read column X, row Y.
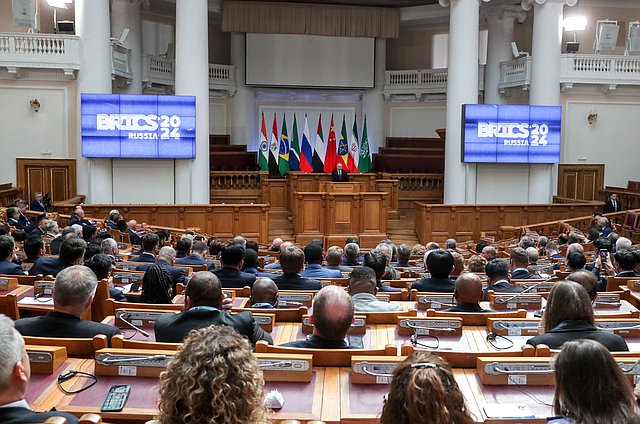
column 545, row 81
column 462, row 88
column 373, row 100
column 94, row 176
column 500, row 21
column 244, row 128
column 192, row 79
column 126, row 14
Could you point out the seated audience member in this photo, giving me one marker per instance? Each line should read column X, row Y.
column 276, row 264
column 526, row 242
column 497, row 271
column 114, row 217
column 7, row 255
column 71, row 253
column 292, row 261
column 183, row 246
column 418, row 250
column 601, row 395
column 439, row 263
column 89, row 233
column 19, row 236
column 264, row 294
column 166, row 259
column 489, row 253
column 623, row 243
column 231, row 260
column 202, row 308
column 551, row 251
column 314, row 258
column 92, row 249
column 378, row 263
column 477, row 264
column 450, row 244
column 432, row 245
column 53, row 230
column 351, row 255
column 134, row 236
column 110, row 248
column 33, row 249
column 150, row 246
column 214, row 378
column 38, row 204
column 275, row 245
column 250, row 264
column 468, row 294
column 55, row 244
column 24, row 221
column 542, row 242
column 387, row 251
column 458, row 265
column 78, row 217
column 334, row 259
column 13, row 218
column 156, row 286
column 252, row 245
column 101, row 265
column 404, row 254
column 575, row 247
column 575, row 261
column 569, row 316
column 331, row 317
column 424, row 391
column 518, row 265
column 362, row 288
column 532, row 255
column 626, row 262
column 15, row 372
column 73, row 292
column 40, row 228
column 587, row 280
column 196, row 256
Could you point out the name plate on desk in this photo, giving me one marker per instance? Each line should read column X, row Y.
column 516, row 371
column 383, row 298
column 138, row 318
column 43, row 289
column 359, row 325
column 265, row 321
column 621, row 326
column 132, row 362
column 504, row 302
column 514, row 326
column 126, row 278
column 423, row 326
column 46, row 359
column 285, row 367
column 434, row 301
column 7, row 284
column 301, row 298
column 126, row 266
column 608, row 299
column 539, row 287
column 373, row 369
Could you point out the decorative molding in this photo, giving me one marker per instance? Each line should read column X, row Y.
column 503, row 12
column 527, row 5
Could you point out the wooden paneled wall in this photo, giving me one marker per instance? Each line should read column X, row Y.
column 222, row 221
column 54, row 176
column 580, row 181
column 8, row 194
column 467, row 222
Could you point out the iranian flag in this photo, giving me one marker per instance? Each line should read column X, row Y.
column 354, row 148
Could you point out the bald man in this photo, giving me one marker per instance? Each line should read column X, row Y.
column 587, row 280
column 468, row 294
column 331, row 318
column 264, row 294
column 489, row 252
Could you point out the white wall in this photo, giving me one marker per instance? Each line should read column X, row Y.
column 143, row 181
column 415, row 119
column 502, row 183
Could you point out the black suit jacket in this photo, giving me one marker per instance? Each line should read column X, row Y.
column 39, row 231
column 37, row 206
column 76, row 220
column 172, row 328
column 466, row 307
column 502, row 287
column 144, row 257
column 134, row 238
column 25, row 222
column 608, row 206
column 315, row 342
column 342, row 178
column 231, row 278
column 55, row 245
column 194, row 259
column 17, row 415
column 15, row 223
column 574, row 330
column 47, row 265
column 58, row 324
column 9, row 268
column 433, row 284
column 523, row 274
column 296, row 282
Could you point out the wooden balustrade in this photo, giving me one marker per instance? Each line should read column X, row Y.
column 629, row 199
column 236, row 187
column 8, row 194
column 425, row 188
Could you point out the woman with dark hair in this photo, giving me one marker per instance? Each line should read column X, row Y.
column 590, row 387
column 156, row 286
column 569, row 316
column 424, row 391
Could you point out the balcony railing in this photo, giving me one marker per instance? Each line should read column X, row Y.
column 21, row 52
column 515, row 73
column 157, row 70
column 421, row 82
column 120, row 61
column 222, row 78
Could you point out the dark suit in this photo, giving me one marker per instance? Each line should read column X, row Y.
column 173, row 328
column 296, row 282
column 112, row 225
column 466, row 307
column 340, row 177
column 318, row 271
column 58, row 324
column 17, row 415
column 351, row 262
column 55, row 244
column 574, row 330
column 37, row 206
column 9, row 268
column 610, row 208
column 194, row 259
column 232, row 278
column 76, row 220
column 15, row 223
column 502, row 286
column 178, row 275
column 340, row 268
column 433, row 284
column 25, row 222
column 39, row 231
column 630, row 273
column 316, row 342
column 47, row 265
column 523, row 274
column 134, row 238
column 254, row 271
column 144, row 257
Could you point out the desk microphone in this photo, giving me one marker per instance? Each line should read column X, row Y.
column 525, row 291
column 289, row 304
column 122, row 318
column 108, row 358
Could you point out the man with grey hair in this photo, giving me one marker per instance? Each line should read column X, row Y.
column 240, row 240
column 276, row 265
column 352, row 255
column 404, row 254
column 334, row 259
column 623, row 243
column 53, row 230
column 551, row 251
column 15, row 372
column 275, row 245
column 73, row 292
column 489, row 253
column 450, row 244
column 533, row 255
column 166, row 259
column 110, row 248
column 387, row 251
column 542, row 241
column 332, row 316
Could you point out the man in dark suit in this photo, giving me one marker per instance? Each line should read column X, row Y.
column 468, row 293
column 292, row 261
column 73, row 292
column 626, row 262
column 612, row 205
column 231, row 259
column 13, row 218
column 519, row 260
column 15, row 372
column 314, row 258
column 203, row 307
column 497, row 271
column 7, row 255
column 377, row 261
column 71, row 253
column 150, row 245
column 339, row 175
column 41, row 226
column 57, row 242
column 38, row 203
column 166, row 259
column 250, row 264
column 134, row 237
column 33, row 248
column 331, row 318
column 196, row 256
column 439, row 263
column 78, row 217
column 352, row 255
column 334, row 259
column 102, row 266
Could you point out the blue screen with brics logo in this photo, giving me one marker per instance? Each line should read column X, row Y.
column 511, row 133
column 138, row 126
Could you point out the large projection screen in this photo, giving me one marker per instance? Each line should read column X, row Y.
column 310, row 61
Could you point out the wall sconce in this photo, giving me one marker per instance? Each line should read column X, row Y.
column 592, row 118
column 34, row 104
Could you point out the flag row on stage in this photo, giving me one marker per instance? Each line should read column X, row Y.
column 279, row 154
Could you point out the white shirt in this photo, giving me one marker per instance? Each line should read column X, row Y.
column 17, row 404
